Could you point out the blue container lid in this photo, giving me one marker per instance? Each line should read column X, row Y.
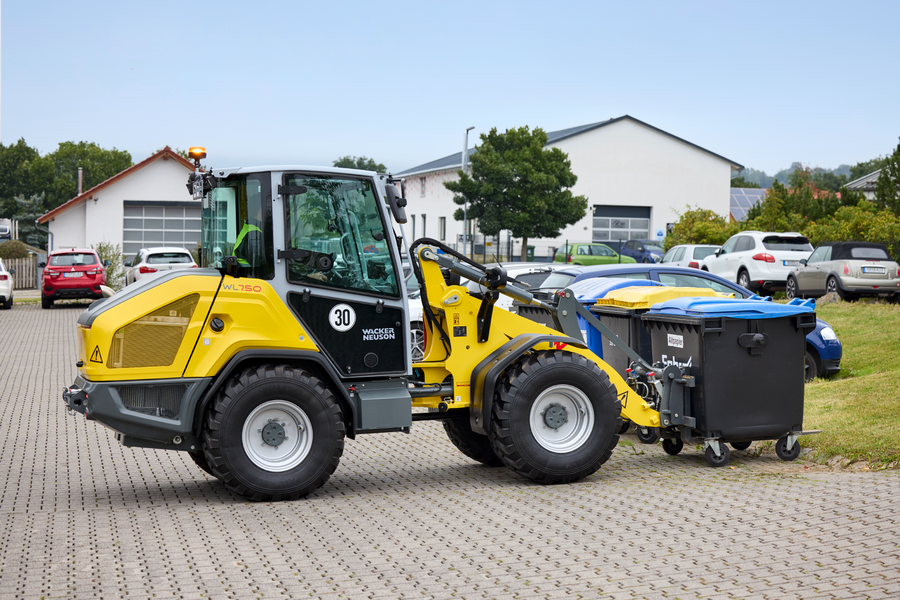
column 733, row 308
column 591, row 290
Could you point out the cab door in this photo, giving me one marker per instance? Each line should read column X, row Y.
column 343, row 272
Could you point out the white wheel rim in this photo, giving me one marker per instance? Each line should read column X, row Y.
column 578, row 412
column 417, row 343
column 273, row 421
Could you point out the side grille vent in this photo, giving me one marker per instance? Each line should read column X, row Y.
column 154, row 339
column 156, row 400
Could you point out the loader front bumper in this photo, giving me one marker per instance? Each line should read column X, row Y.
column 155, row 413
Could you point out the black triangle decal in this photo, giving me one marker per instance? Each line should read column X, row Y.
column 95, row 356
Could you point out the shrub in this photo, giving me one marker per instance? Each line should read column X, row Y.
column 115, row 272
column 13, row 249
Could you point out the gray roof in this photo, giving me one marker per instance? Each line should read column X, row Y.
column 742, row 199
column 455, row 160
column 865, row 183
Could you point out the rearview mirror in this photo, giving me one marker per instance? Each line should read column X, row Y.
column 720, row 251
column 396, row 202
column 803, row 261
column 42, row 264
column 12, row 271
column 107, row 263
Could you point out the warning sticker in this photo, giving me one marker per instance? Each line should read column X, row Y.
column 95, row 355
column 675, row 341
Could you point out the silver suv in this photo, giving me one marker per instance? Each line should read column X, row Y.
column 759, row 260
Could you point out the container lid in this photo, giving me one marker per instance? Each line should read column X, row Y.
column 733, row 308
column 589, row 290
column 643, row 298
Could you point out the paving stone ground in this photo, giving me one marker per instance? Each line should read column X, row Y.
column 407, row 516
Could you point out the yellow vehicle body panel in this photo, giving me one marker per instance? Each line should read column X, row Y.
column 457, row 312
column 106, row 340
column 255, row 318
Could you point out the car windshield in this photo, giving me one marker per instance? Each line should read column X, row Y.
column 792, row 243
column 869, row 253
column 74, row 259
column 704, row 251
column 557, row 281
column 166, row 258
column 653, row 248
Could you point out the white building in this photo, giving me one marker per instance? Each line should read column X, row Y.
column 637, row 179
column 145, row 205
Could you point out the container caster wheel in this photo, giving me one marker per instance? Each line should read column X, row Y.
column 785, row 453
column 718, row 461
column 740, row 445
column 647, row 435
column 673, row 447
column 625, row 425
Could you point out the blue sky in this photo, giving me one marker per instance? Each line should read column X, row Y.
column 761, row 83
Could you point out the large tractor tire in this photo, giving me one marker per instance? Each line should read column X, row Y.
column 275, row 432
column 556, row 418
column 474, row 445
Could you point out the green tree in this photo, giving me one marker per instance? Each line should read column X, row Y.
column 518, row 185
column 27, row 211
column 701, row 226
column 887, row 189
column 57, row 172
column 740, row 182
column 863, row 222
column 360, row 162
column 827, row 180
column 17, row 175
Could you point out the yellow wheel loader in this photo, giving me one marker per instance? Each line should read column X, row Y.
column 295, row 335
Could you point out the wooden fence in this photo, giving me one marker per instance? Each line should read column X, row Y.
column 27, row 272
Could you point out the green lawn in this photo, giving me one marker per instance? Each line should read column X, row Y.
column 856, row 408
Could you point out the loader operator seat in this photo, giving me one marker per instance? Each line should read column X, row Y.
column 248, row 246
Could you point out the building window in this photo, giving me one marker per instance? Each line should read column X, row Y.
column 442, row 228
column 422, row 182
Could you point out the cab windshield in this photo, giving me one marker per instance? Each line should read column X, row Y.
column 335, row 234
column 237, row 221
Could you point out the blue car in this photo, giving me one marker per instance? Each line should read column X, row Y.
column 823, row 349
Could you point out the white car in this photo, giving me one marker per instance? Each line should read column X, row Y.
column 149, row 261
column 688, row 255
column 530, row 274
column 759, row 260
column 6, row 287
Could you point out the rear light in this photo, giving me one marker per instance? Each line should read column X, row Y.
column 762, row 256
column 193, row 266
column 3, row 277
column 568, row 258
column 54, row 274
column 898, row 271
column 846, row 269
column 95, row 272
column 693, row 265
column 146, row 270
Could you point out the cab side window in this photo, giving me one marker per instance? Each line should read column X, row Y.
column 745, row 243
column 679, row 255
column 729, row 245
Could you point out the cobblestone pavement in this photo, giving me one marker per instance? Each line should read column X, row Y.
column 407, row 516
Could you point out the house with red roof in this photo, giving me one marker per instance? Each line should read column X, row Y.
column 145, row 205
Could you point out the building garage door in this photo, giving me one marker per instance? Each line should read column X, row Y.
column 149, row 224
column 621, row 223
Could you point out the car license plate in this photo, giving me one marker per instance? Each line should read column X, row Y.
column 873, row 269
column 71, row 274
column 791, row 263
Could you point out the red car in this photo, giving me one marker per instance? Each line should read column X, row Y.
column 73, row 273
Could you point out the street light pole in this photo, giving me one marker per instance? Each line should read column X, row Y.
column 465, row 167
